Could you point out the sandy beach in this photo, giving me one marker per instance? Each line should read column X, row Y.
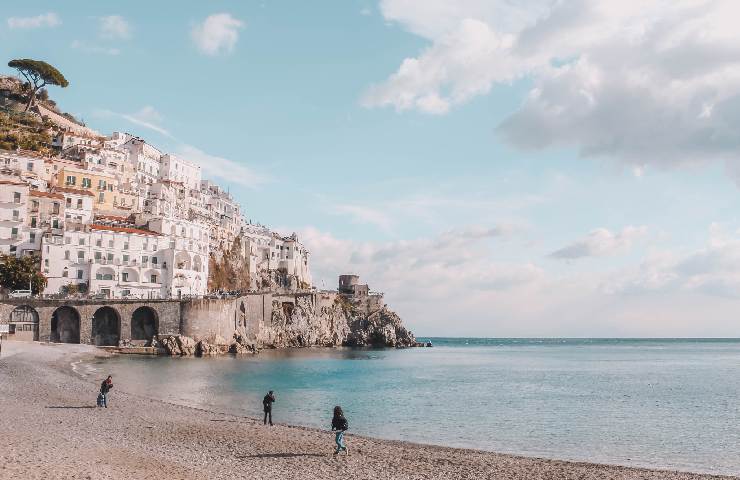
column 51, row 429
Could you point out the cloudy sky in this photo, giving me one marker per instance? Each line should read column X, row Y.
column 497, row 167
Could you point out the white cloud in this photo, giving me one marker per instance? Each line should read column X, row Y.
column 217, row 34
column 114, row 27
column 365, row 215
column 220, row 168
column 147, row 117
column 647, row 82
column 601, row 242
column 97, row 49
column 44, row 20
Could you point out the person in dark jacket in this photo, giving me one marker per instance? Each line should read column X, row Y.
column 104, row 389
column 267, row 405
column 339, row 425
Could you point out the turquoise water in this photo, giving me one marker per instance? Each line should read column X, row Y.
column 657, row 403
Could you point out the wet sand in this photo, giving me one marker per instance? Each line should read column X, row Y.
column 50, row 428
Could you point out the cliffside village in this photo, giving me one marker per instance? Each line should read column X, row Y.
column 117, row 217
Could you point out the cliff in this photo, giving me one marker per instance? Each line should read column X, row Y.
column 251, row 322
column 302, row 324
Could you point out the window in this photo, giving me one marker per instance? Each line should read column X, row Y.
column 86, row 182
column 29, row 166
column 55, row 223
column 33, row 222
column 110, row 243
column 125, row 293
column 46, row 262
column 80, row 256
column 99, row 242
column 66, row 254
column 110, row 257
column 55, row 208
column 144, row 259
column 124, row 277
column 14, row 233
column 125, row 247
column 71, row 180
column 69, row 202
column 125, row 259
column 65, row 273
column 16, row 197
column 98, row 255
column 154, row 247
column 81, row 241
column 35, row 206
column 15, row 214
column 154, row 279
column 79, row 203
column 67, row 240
column 101, row 197
column 101, row 184
column 154, row 260
column 33, row 238
column 110, row 187
column 79, row 274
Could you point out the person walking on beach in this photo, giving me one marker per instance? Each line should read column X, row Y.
column 267, row 405
column 339, row 425
column 104, row 389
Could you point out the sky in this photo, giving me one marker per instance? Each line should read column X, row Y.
column 497, row 168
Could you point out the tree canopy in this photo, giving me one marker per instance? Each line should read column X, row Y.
column 15, row 273
column 38, row 74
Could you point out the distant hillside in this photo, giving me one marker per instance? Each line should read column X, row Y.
column 29, row 130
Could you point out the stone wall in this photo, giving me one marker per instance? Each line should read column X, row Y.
column 165, row 312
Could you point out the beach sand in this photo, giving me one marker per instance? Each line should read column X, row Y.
column 51, row 429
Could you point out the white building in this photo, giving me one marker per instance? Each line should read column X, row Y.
column 186, row 257
column 104, row 259
column 13, row 214
column 78, row 207
column 177, row 169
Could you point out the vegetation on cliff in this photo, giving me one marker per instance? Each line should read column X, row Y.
column 38, row 74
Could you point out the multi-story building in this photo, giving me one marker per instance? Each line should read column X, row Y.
column 102, row 185
column 45, row 215
column 13, row 215
column 110, row 260
column 78, row 206
column 176, row 169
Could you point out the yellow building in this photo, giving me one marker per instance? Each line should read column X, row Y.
column 102, row 185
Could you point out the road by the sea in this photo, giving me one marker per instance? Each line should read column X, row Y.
column 654, row 403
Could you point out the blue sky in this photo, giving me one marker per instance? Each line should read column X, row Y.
column 503, row 170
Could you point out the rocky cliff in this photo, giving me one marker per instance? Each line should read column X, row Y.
column 299, row 320
column 336, row 324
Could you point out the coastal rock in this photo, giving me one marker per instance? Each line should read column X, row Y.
column 178, row 345
column 204, row 348
column 337, row 323
column 242, row 344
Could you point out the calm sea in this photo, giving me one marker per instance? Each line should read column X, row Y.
column 671, row 403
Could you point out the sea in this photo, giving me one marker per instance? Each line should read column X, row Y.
column 663, row 403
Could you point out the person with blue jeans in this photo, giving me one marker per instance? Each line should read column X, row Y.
column 104, row 389
column 339, row 425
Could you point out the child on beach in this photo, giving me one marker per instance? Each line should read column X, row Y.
column 339, row 425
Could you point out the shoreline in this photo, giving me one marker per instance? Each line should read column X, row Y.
column 140, row 435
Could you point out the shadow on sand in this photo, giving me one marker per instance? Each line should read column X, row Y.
column 83, row 406
column 283, row 455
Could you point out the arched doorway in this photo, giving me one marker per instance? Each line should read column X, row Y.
column 25, row 321
column 106, row 327
column 144, row 324
column 65, row 325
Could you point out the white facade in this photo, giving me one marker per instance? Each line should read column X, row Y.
column 13, row 214
column 176, row 169
column 112, row 261
column 186, row 257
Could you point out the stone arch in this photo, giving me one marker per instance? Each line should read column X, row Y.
column 26, row 319
column 144, row 323
column 132, row 275
column 106, row 327
column 65, row 325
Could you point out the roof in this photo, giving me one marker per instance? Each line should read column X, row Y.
column 113, row 217
column 11, row 182
column 73, row 191
column 36, row 193
column 139, row 231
